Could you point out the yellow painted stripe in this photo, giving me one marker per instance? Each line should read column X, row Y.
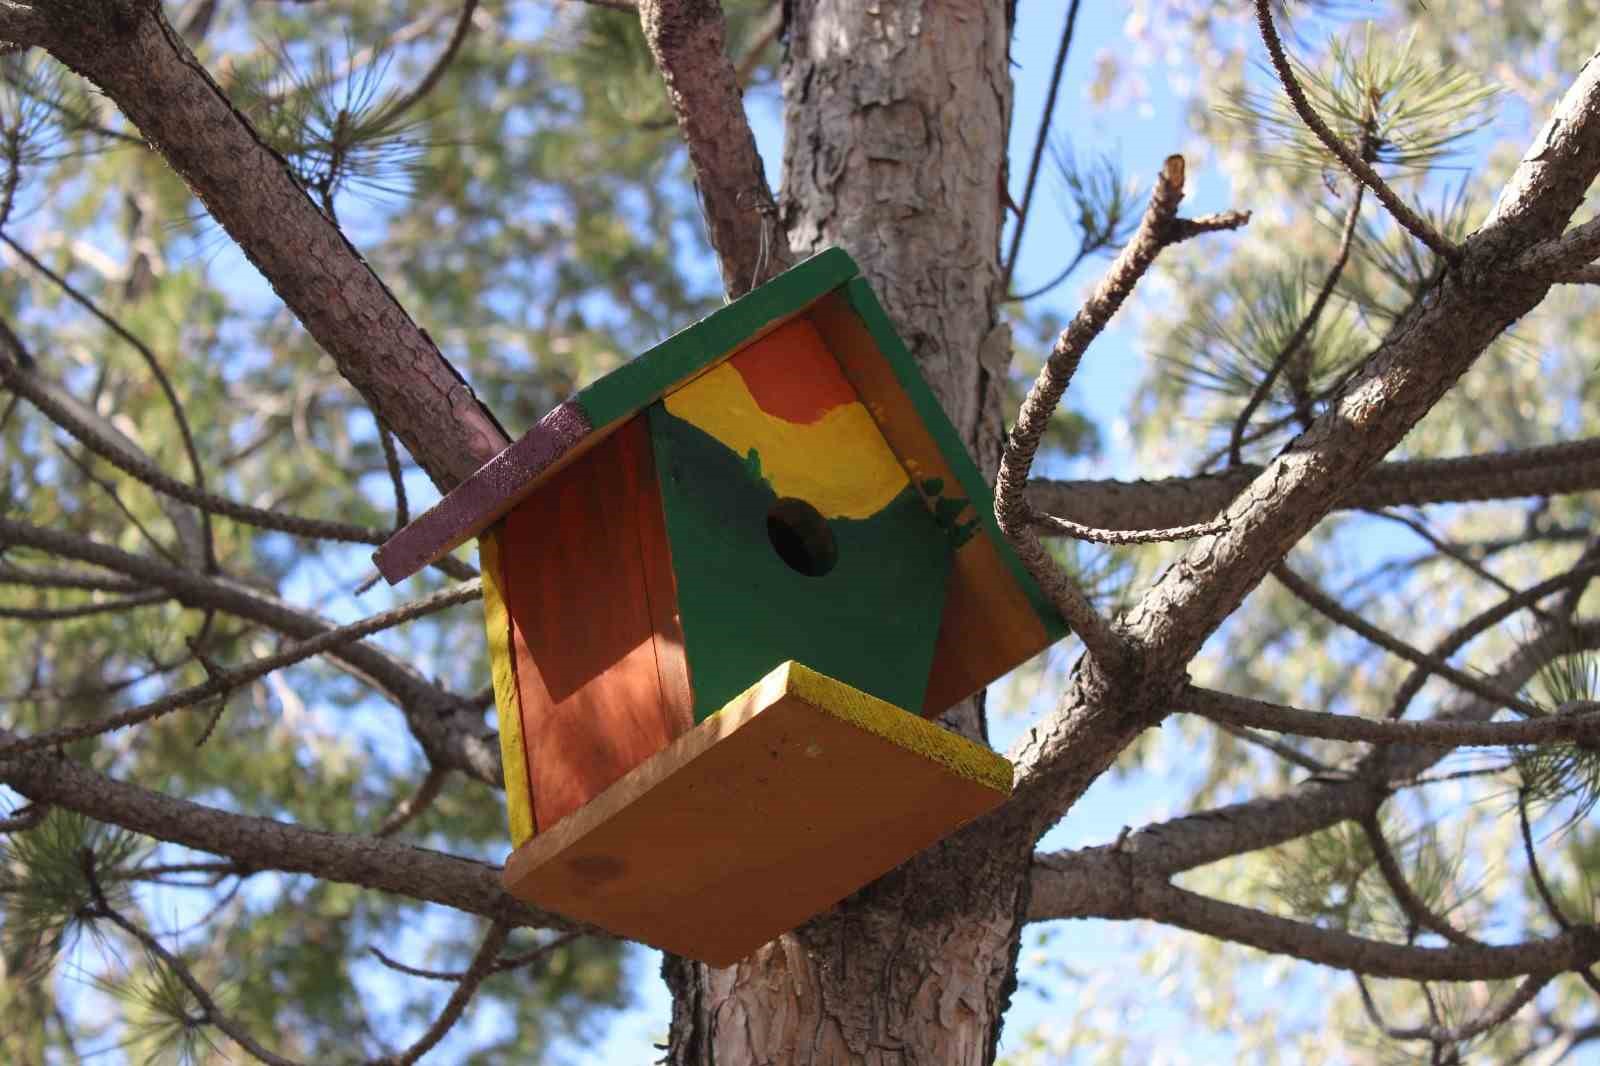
column 839, row 464
column 513, row 758
column 955, row 753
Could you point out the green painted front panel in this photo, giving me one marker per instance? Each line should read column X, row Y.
column 870, row 622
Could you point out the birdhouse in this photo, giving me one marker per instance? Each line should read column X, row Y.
column 724, row 586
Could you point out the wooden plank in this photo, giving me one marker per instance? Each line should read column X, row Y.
column 590, row 416
column 793, row 796
column 508, row 707
column 583, row 633
column 995, row 617
column 661, row 591
column 482, row 499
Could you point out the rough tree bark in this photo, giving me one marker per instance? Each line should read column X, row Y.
column 896, row 114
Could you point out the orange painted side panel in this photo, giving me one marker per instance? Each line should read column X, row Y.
column 597, row 695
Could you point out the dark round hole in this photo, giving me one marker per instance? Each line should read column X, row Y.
column 801, row 537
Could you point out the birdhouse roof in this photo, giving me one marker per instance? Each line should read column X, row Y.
column 988, row 579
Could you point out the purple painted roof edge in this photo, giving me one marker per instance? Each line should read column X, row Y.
column 492, row 490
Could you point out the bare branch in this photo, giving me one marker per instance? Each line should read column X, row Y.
column 224, row 681
column 1412, row 906
column 1319, row 601
column 414, row 804
column 436, row 72
column 58, row 406
column 1565, row 257
column 1455, row 1034
column 1067, row 528
column 180, row 417
column 1548, row 470
column 1301, row 333
column 267, row 844
column 1156, row 900
column 1573, row 581
column 1089, row 877
column 688, row 39
column 84, row 610
column 1154, row 234
column 1583, row 727
column 1039, row 141
column 447, row 727
column 483, row 964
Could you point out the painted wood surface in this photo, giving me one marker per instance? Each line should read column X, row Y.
column 596, row 411
column 724, row 463
column 796, row 794
column 482, row 499
column 600, row 673
column 995, row 616
column 502, row 673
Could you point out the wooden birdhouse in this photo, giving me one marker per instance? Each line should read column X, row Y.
column 723, row 586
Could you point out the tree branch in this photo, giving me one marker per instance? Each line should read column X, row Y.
column 1089, row 876
column 1022, row 444
column 448, row 729
column 1332, row 609
column 267, row 844
column 688, row 39
column 223, row 681
column 1301, row 333
column 1156, row 900
column 1548, row 470
column 128, row 49
column 1580, row 724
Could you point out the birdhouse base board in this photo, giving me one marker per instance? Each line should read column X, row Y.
column 794, row 795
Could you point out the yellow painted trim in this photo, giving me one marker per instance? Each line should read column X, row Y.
column 955, row 753
column 502, row 671
column 839, row 464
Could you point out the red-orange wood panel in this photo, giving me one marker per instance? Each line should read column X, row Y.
column 601, row 676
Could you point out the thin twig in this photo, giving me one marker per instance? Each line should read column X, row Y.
column 1321, row 602
column 1413, row 223
column 84, row 610
column 1455, row 1034
column 481, row 967
column 223, row 681
column 21, row 382
column 414, row 804
column 1295, row 721
column 1065, row 527
column 1411, row 904
column 1302, row 331
column 510, row 962
column 210, row 1013
column 435, row 73
column 180, row 418
column 391, row 459
column 1039, row 142
column 1576, row 578
column 1542, row 887
column 1157, row 229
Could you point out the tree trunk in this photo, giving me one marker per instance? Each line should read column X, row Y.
column 896, row 119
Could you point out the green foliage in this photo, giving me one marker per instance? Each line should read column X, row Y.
column 45, row 892
column 1384, row 100
column 1565, row 774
